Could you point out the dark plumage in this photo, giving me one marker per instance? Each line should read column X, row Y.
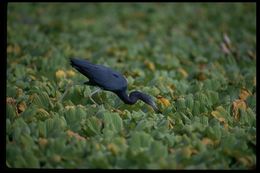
column 110, row 80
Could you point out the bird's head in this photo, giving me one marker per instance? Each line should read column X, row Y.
column 145, row 98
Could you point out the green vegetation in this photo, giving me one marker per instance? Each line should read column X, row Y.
column 198, row 61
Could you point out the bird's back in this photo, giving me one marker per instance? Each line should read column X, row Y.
column 100, row 75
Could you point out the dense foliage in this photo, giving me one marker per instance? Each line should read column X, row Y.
column 198, row 61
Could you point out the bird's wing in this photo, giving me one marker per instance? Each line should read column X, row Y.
column 104, row 77
column 109, row 79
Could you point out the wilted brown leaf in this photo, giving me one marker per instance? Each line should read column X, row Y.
column 236, row 105
column 218, row 114
column 207, row 141
column 227, row 40
column 224, row 48
column 251, row 55
column 10, row 100
column 246, row 160
column 76, row 135
column 21, row 107
column 244, row 93
column 201, row 76
column 188, row 151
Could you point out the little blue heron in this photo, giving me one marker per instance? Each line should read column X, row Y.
column 110, row 80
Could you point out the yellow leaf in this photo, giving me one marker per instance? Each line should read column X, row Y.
column 60, row 74
column 150, row 65
column 163, row 101
column 97, row 146
column 113, row 148
column 207, row 141
column 56, row 158
column 183, row 72
column 69, row 107
column 15, row 48
column 188, row 151
column 244, row 93
column 32, row 77
column 9, row 49
column 42, row 112
column 236, row 105
column 218, row 114
column 42, row 142
column 246, row 160
column 76, row 135
column 70, row 73
column 19, row 92
column 121, row 113
column 251, row 54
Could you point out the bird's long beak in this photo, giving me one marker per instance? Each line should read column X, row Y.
column 155, row 108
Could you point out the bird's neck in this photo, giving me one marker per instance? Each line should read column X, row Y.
column 126, row 99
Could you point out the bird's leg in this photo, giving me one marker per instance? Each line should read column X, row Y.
column 91, row 94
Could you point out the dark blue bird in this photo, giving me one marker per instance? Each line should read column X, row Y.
column 110, row 80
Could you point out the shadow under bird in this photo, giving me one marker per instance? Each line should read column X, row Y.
column 110, row 80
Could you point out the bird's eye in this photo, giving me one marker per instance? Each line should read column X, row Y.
column 115, row 75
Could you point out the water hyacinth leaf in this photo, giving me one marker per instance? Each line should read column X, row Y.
column 202, row 98
column 247, row 117
column 26, row 141
column 189, row 102
column 54, row 127
column 10, row 112
column 11, row 91
column 180, row 104
column 42, row 114
column 208, row 118
column 92, row 126
column 74, row 117
column 113, row 122
column 41, row 99
column 196, row 108
column 22, row 160
column 213, row 132
column 99, row 161
column 140, row 140
column 213, row 97
column 42, row 129
column 144, row 125
column 29, row 113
